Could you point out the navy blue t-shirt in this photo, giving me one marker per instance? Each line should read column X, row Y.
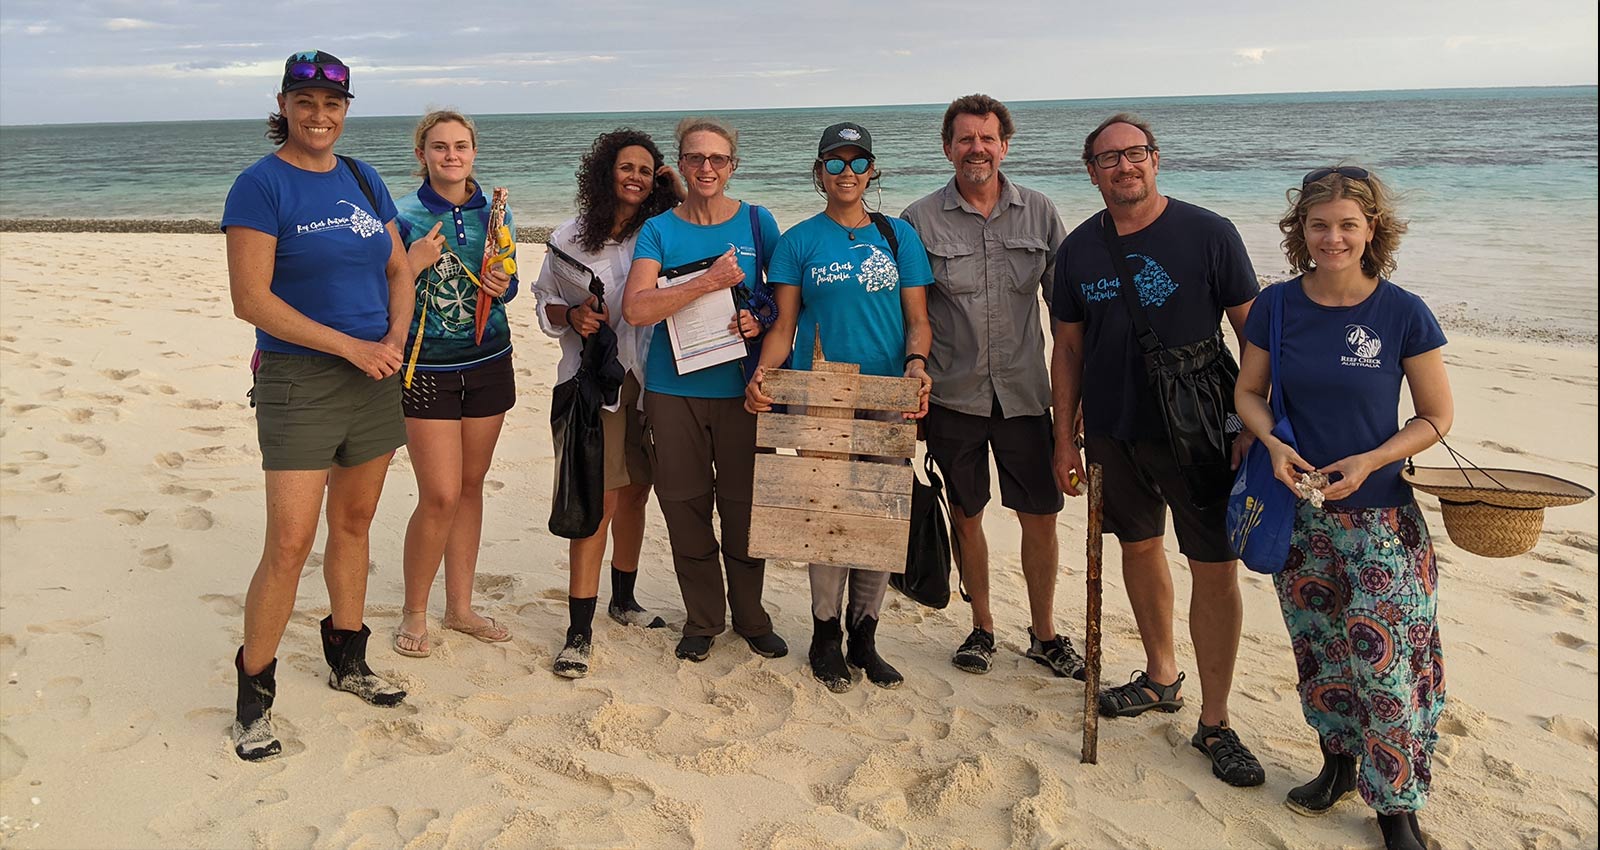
column 333, row 248
column 1188, row 266
column 1340, row 368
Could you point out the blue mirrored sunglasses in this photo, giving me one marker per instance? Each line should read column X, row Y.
column 836, row 166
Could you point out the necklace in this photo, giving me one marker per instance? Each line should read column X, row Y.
column 849, row 229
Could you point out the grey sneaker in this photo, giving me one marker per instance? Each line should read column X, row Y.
column 633, row 615
column 573, row 660
column 976, row 653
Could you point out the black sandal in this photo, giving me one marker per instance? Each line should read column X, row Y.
column 1134, row 698
column 1231, row 761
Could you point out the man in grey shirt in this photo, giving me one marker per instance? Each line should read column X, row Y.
column 992, row 245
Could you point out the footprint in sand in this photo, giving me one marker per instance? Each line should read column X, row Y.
column 119, row 374
column 12, row 758
column 1569, row 640
column 230, row 605
column 52, row 484
column 18, row 409
column 125, row 734
column 62, row 361
column 195, row 519
column 202, row 404
column 78, row 627
column 1573, row 729
column 170, row 460
column 493, row 586
column 208, row 430
column 493, row 486
column 35, row 455
column 193, row 494
column 156, row 557
column 127, row 516
column 10, row 469
column 92, row 446
column 1493, row 446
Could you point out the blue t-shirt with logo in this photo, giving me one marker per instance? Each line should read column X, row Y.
column 673, row 242
column 851, row 289
column 447, row 300
column 1341, row 368
column 333, row 247
column 1188, row 266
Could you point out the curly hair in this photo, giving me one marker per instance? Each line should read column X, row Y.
column 1377, row 203
column 597, row 196
column 979, row 105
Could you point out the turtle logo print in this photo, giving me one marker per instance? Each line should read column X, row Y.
column 362, row 222
column 1364, row 345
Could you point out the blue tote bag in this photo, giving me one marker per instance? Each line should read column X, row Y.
column 1260, row 509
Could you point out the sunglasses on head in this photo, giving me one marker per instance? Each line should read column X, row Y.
column 1351, row 171
column 836, row 166
column 333, row 72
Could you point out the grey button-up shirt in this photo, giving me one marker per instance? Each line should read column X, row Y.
column 984, row 305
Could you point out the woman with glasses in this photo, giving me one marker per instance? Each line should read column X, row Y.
column 316, row 264
column 701, row 438
column 857, row 277
column 1359, row 591
column 622, row 183
column 457, row 387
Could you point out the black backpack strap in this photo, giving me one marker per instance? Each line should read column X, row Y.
column 886, row 230
column 1128, row 293
column 361, row 180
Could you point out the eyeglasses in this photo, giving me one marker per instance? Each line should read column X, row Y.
column 836, row 166
column 333, row 72
column 1354, row 172
column 1137, row 153
column 695, row 160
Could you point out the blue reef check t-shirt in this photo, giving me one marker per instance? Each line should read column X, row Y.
column 333, row 247
column 673, row 242
column 1341, row 369
column 852, row 290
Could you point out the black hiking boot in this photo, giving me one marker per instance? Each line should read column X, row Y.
column 827, row 655
column 864, row 654
column 346, row 653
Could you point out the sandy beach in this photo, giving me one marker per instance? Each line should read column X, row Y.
column 131, row 518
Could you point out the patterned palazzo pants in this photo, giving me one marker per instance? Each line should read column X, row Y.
column 1359, row 595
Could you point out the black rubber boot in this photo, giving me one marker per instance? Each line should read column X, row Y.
column 1399, row 832
column 864, row 654
column 1336, row 782
column 346, row 652
column 827, row 655
column 253, row 738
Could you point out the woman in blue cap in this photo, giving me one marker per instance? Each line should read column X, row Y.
column 857, row 276
column 316, row 264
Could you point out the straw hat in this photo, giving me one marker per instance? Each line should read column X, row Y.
column 1496, row 513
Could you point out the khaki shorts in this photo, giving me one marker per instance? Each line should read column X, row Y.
column 626, row 460
column 313, row 412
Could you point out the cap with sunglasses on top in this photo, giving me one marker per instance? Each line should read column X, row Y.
column 314, row 69
column 845, row 135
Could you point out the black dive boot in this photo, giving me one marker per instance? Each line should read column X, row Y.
column 827, row 655
column 1336, row 782
column 253, row 738
column 864, row 654
column 346, row 652
column 1399, row 832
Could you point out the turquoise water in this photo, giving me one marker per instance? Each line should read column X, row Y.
column 1500, row 185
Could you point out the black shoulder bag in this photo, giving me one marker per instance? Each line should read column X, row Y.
column 1193, row 385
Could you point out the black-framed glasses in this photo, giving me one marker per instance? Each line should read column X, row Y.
column 1354, row 172
column 333, row 72
column 718, row 161
column 836, row 165
column 1137, row 153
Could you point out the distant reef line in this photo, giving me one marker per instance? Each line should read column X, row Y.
column 537, row 234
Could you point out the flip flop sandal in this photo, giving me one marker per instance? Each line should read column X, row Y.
column 416, row 640
column 492, row 632
column 1134, row 698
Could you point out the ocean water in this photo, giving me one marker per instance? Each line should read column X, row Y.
column 1500, row 185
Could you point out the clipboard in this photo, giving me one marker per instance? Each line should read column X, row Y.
column 699, row 332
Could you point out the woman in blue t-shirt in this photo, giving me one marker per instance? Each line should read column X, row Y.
column 855, row 280
column 458, row 387
column 701, row 439
column 316, row 264
column 1359, row 591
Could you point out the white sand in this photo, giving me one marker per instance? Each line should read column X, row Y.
column 131, row 517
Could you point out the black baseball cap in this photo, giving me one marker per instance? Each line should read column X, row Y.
column 314, row 69
column 845, row 135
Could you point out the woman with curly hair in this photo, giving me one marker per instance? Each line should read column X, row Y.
column 1360, row 589
column 622, row 182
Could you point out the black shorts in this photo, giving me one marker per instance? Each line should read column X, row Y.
column 1024, row 450
column 1142, row 481
column 484, row 390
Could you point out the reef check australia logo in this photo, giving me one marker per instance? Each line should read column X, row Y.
column 1364, row 345
column 359, row 221
column 1153, row 283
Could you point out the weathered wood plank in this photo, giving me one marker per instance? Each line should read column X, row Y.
column 870, row 543
column 855, row 436
column 829, row 389
column 859, row 488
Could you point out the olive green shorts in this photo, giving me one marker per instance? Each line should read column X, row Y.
column 313, row 412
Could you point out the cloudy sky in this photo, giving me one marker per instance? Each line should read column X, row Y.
column 149, row 60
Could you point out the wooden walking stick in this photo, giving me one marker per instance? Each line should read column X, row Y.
column 1091, row 637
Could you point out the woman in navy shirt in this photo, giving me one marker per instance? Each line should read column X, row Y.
column 1359, row 591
